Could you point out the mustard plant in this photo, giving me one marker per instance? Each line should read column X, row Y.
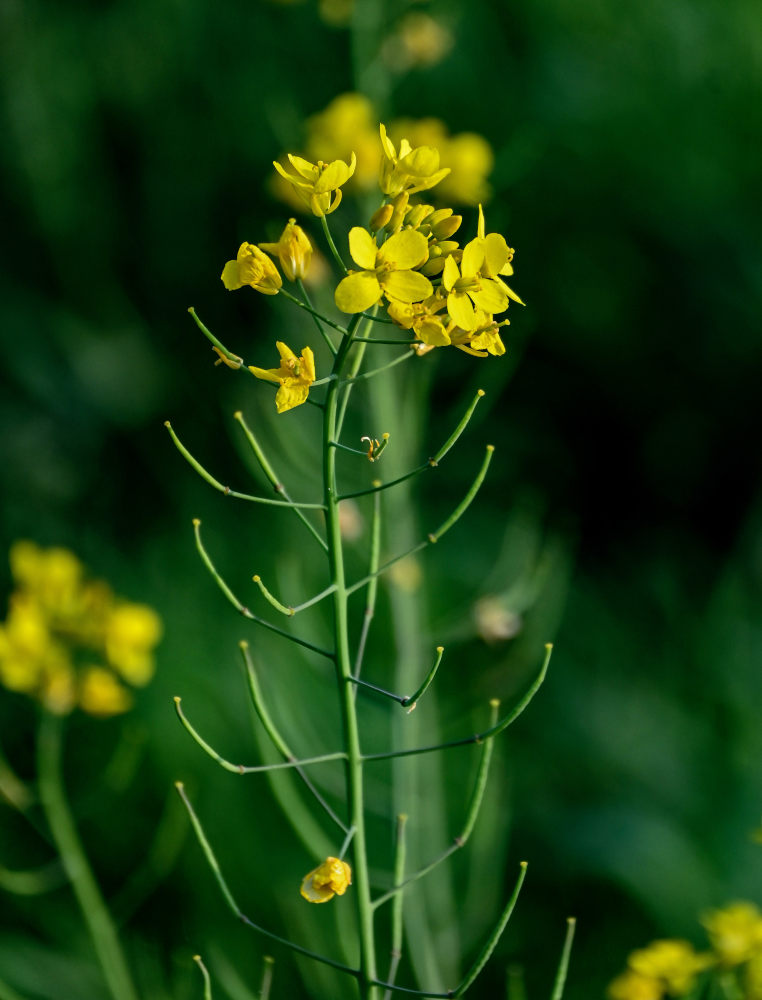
column 406, row 285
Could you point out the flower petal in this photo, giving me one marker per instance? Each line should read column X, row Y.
column 357, row 292
column 406, row 249
column 473, row 258
column 450, row 274
column 461, row 311
column 496, row 253
column 407, row 286
column 230, row 276
column 421, row 162
column 363, row 248
column 490, row 297
column 293, row 392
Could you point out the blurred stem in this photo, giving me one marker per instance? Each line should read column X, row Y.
column 8, row 993
column 354, row 766
column 396, row 922
column 563, row 964
column 75, row 863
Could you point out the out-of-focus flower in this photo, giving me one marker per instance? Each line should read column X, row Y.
column 753, row 979
column 419, row 40
column 347, row 125
column 331, row 878
column 337, row 13
column 318, row 184
column 293, row 250
column 294, row 376
column 632, row 986
column 674, row 964
column 412, row 169
column 351, row 522
column 387, row 269
column 251, row 267
column 495, row 620
column 66, row 637
column 735, row 932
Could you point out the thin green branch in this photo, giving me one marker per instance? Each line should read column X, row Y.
column 267, row 978
column 467, row 499
column 33, row 881
column 563, row 964
column 332, row 245
column 433, row 462
column 395, row 952
column 318, row 316
column 241, row 608
column 478, row 737
column 288, row 609
column 474, row 805
column 230, row 900
column 205, row 974
column 370, row 600
column 347, row 382
column 257, row 768
column 353, row 379
column 413, row 699
column 277, row 485
column 378, row 319
column 234, row 359
column 494, row 937
column 400, row 698
column 274, row 734
column 226, row 489
column 75, row 863
column 387, row 565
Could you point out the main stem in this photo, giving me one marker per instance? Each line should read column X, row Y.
column 354, row 765
column 94, row 911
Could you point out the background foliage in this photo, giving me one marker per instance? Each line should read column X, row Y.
column 623, row 503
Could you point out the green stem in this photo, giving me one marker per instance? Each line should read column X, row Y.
column 334, row 251
column 317, row 316
column 205, row 974
column 354, row 765
column 396, row 921
column 92, row 906
column 563, row 964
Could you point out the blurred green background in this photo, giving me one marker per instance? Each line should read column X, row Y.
column 623, row 505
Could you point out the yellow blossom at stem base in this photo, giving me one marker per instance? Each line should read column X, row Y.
column 331, row 878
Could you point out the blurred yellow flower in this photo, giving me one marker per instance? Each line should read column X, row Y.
column 294, row 376
column 251, row 267
column 735, row 932
column 674, row 964
column 419, row 40
column 632, row 986
column 329, row 879
column 336, row 12
column 293, row 250
column 387, row 269
column 318, row 184
column 56, row 620
column 132, row 632
column 347, row 125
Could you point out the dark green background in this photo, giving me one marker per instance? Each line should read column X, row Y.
column 137, row 141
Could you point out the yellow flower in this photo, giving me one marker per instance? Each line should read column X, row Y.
column 251, row 267
column 326, row 881
column 632, row 986
column 295, row 376
column 385, row 270
column 469, row 286
column 673, row 963
column 468, row 156
column 318, row 184
column 409, row 169
column 293, row 250
column 735, row 932
column 131, row 634
column 422, row 41
column 101, row 694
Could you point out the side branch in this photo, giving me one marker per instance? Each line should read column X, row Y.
column 241, row 608
column 478, row 737
column 258, row 768
column 226, row 489
column 230, row 900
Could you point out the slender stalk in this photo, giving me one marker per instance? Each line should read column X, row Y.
column 563, row 965
column 267, row 978
column 332, row 245
column 91, row 903
column 370, row 600
column 399, row 874
column 205, row 974
column 354, row 765
column 317, row 316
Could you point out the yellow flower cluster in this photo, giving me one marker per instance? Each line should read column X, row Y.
column 406, row 260
column 669, row 968
column 67, row 640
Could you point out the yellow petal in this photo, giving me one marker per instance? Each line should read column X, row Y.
column 496, row 253
column 406, row 249
column 268, row 374
column 432, row 332
column 461, row 311
column 480, row 225
column 293, row 392
column 429, row 182
column 450, row 274
column 304, row 167
column 357, row 292
column 230, row 276
column 363, row 248
column 313, row 893
column 308, row 365
column 334, row 175
column 407, row 286
column 510, row 292
column 490, row 297
column 473, row 258
column 386, row 142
